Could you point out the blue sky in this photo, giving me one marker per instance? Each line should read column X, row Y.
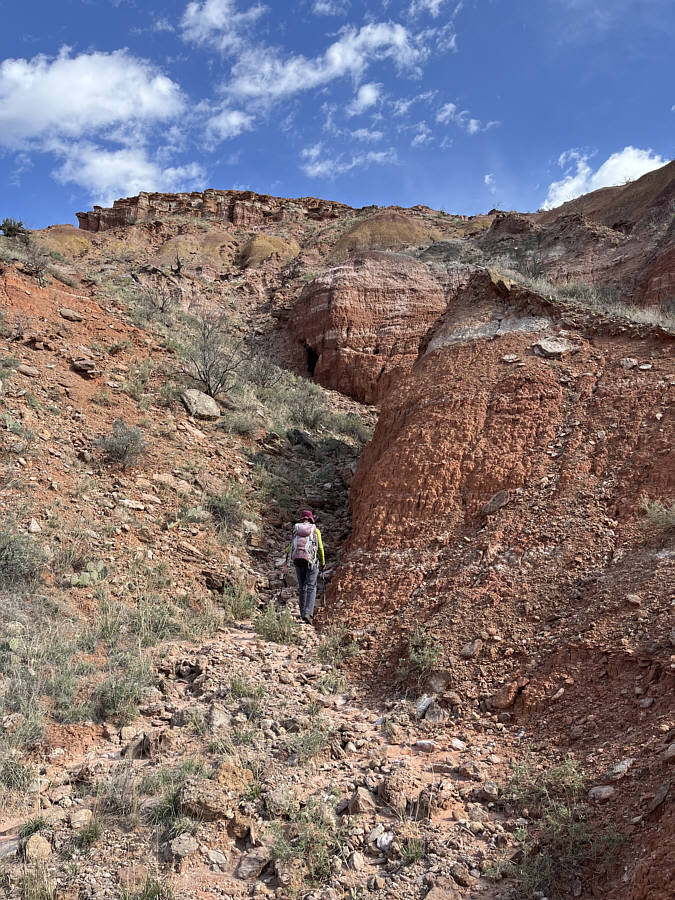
column 459, row 105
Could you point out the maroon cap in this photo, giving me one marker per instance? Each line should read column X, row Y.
column 307, row 514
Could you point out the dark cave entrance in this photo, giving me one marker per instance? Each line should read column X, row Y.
column 312, row 359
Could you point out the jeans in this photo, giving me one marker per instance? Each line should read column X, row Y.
column 307, row 577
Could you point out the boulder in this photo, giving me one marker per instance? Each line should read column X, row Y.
column 252, row 863
column 553, row 348
column 37, row 848
column 199, row 404
column 361, row 801
column 204, row 799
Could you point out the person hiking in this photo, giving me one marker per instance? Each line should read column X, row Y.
column 306, row 553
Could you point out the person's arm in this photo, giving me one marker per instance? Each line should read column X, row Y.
column 319, row 546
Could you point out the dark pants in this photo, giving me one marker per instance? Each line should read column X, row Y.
column 307, row 576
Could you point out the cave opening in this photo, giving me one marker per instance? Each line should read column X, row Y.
column 312, row 359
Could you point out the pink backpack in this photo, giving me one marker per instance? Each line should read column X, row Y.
column 304, row 543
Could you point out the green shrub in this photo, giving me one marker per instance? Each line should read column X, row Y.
column 90, row 834
column 31, row 827
column 153, row 889
column 21, row 558
column 312, row 838
column 124, row 445
column 353, row 426
column 658, row 515
column 423, row 654
column 309, row 742
column 15, row 775
column 239, row 603
column 562, row 847
column 119, row 695
column 227, row 509
column 12, row 227
column 281, row 628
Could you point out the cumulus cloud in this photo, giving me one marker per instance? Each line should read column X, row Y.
column 579, row 178
column 366, row 96
column 267, row 77
column 107, row 174
column 219, row 24
column 330, row 7
column 463, row 119
column 318, row 166
column 71, row 96
column 229, row 123
column 489, row 182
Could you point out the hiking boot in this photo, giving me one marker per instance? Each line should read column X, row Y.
column 307, row 620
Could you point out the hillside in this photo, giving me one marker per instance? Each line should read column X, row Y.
column 478, row 410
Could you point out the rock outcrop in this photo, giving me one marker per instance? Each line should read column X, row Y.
column 238, row 207
column 363, row 320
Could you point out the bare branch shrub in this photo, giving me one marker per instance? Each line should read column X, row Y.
column 212, row 358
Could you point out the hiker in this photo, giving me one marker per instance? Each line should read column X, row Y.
column 306, row 553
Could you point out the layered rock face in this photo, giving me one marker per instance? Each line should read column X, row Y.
column 363, row 320
column 568, row 427
column 238, row 207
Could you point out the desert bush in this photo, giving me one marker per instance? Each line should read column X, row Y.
column 90, row 834
column 658, row 516
column 124, row 445
column 311, row 741
column 423, row 654
column 153, row 889
column 562, row 845
column 281, row 628
column 36, row 260
column 119, row 695
column 212, row 358
column 238, row 602
column 352, row 425
column 336, row 646
column 12, row 227
column 227, row 509
column 21, row 557
column 36, row 883
column 14, row 775
column 312, row 838
column 243, row 422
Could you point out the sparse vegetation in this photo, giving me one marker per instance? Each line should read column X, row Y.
column 212, row 358
column 124, row 445
column 658, row 516
column 21, row 557
column 563, row 844
column 227, row 509
column 280, row 628
column 118, row 696
column 12, row 228
column 423, row 654
column 309, row 841
column 36, row 884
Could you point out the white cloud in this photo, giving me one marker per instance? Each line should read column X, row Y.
column 402, row 106
column 266, row 76
column 228, row 124
column 366, row 96
column 624, row 165
column 489, row 182
column 70, row 96
column 330, row 7
column 433, row 7
column 366, row 134
column 218, row 23
column 108, row 174
column 463, row 119
column 423, row 135
column 316, row 167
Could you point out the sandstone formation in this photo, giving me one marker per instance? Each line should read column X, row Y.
column 363, row 320
column 238, row 207
column 387, row 230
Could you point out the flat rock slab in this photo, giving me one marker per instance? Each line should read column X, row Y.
column 553, row 348
column 70, row 314
column 200, row 405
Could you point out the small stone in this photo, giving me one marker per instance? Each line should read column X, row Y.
column 80, row 818
column 456, row 744
column 217, row 858
column 37, row 848
column 471, row 649
column 361, row 801
column 628, row 362
column 356, row 861
column 34, row 527
column 426, row 746
column 633, row 600
column 645, row 367
column 617, row 772
column 200, row 405
column 184, row 845
column 601, row 793
column 70, row 314
column 385, row 840
column 28, row 371
column 423, row 705
column 252, row 863
column 461, row 874
column 510, row 358
column 553, row 348
column 669, row 755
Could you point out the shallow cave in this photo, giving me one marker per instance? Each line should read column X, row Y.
column 312, row 359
